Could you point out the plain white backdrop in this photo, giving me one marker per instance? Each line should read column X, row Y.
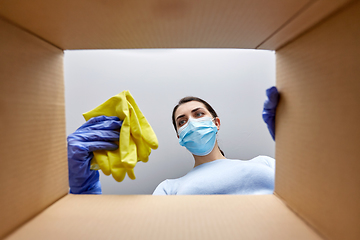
column 232, row 81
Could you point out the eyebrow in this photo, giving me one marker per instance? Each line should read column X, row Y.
column 194, row 110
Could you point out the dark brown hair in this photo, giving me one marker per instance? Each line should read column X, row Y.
column 189, row 99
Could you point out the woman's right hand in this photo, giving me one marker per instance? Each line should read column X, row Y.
column 99, row 133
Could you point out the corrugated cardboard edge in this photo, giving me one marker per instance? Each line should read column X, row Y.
column 33, row 147
column 152, row 24
column 307, row 17
column 167, row 217
column 300, row 216
column 317, row 125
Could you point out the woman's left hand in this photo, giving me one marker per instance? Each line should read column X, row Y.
column 269, row 110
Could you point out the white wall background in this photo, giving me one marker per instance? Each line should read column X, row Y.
column 233, row 81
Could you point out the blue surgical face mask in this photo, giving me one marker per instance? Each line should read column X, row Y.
column 198, row 135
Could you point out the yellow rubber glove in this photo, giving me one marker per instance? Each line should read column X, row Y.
column 137, row 138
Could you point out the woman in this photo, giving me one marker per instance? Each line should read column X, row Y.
column 196, row 124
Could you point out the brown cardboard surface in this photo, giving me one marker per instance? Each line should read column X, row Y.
column 33, row 148
column 317, row 132
column 317, row 128
column 113, row 24
column 166, row 217
column 311, row 14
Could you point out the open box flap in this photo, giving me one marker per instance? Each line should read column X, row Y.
column 166, row 217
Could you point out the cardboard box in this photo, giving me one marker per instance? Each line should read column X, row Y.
column 317, row 132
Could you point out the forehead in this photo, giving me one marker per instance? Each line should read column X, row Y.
column 186, row 108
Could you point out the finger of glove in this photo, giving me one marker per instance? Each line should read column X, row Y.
column 116, row 165
column 99, row 145
column 146, row 131
column 105, row 125
column 103, row 161
column 268, row 113
column 118, row 174
column 131, row 173
column 95, row 135
column 101, row 122
column 270, row 122
column 272, row 98
column 271, row 127
column 143, row 149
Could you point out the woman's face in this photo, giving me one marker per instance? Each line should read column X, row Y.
column 192, row 109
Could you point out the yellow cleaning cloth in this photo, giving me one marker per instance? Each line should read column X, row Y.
column 136, row 137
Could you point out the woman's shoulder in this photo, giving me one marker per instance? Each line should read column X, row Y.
column 269, row 161
column 166, row 187
column 161, row 188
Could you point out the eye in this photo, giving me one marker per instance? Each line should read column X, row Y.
column 181, row 122
column 199, row 114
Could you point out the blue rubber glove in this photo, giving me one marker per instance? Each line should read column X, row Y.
column 99, row 133
column 269, row 110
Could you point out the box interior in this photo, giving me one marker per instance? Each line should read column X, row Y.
column 167, row 217
column 317, row 131
column 116, row 24
column 33, row 151
column 317, row 127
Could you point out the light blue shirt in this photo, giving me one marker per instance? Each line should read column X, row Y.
column 224, row 176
